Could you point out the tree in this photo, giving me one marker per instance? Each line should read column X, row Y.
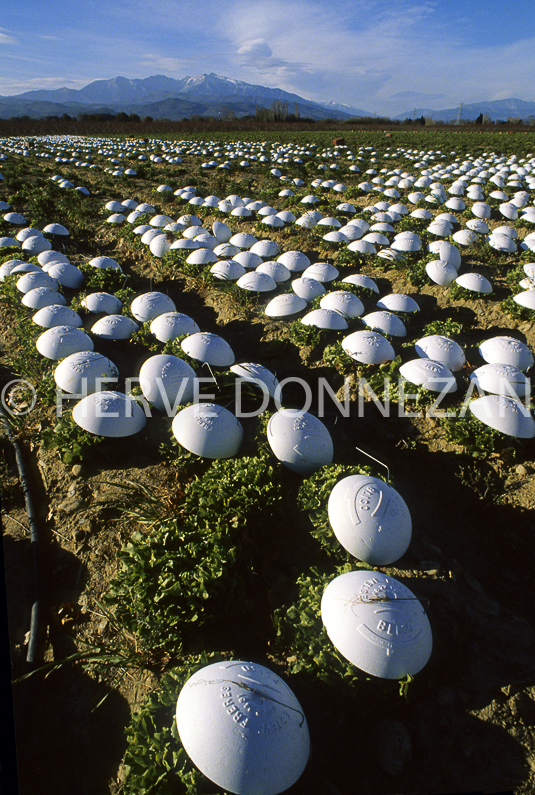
column 479, row 119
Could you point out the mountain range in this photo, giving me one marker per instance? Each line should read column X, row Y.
column 496, row 110
column 164, row 97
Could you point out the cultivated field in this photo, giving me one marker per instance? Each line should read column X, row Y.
column 153, row 561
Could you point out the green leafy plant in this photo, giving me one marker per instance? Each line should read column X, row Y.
column 155, row 761
column 335, row 356
column 416, row 272
column 105, row 280
column 459, row 293
column 302, row 335
column 47, row 390
column 382, row 378
column 72, row 443
column 517, row 311
column 143, row 336
column 446, row 328
column 479, row 440
column 312, row 499
column 197, row 563
column 301, row 632
column 348, row 258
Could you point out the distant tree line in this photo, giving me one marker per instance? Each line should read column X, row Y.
column 277, row 116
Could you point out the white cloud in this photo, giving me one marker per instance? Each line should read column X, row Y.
column 253, row 50
column 365, row 52
column 257, row 55
column 5, row 38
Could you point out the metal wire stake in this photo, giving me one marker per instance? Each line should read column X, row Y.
column 213, row 376
column 376, row 461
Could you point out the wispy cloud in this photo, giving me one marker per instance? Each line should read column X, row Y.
column 257, row 55
column 365, row 52
column 5, row 38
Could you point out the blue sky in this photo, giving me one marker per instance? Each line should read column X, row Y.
column 384, row 57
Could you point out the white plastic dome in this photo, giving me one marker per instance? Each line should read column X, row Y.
column 285, row 305
column 324, row 318
column 368, row 347
column 221, row 231
column 227, row 270
column 398, row 302
column 105, row 262
column 167, row 381
column 67, row 275
column 114, row 327
column 474, row 282
column 441, row 272
column 248, row 259
column 504, row 414
column 102, row 302
column 506, row 350
column 84, row 372
column 171, row 325
column 243, row 240
column 256, row 281
column 343, row 301
column 449, row 253
column 277, row 271
column 222, row 716
column 386, row 323
column 109, row 413
column 57, row 315
column 307, row 288
column 501, row 379
column 265, row 248
column 209, row 348
column 377, row 624
column 7, row 267
column 149, row 305
column 430, row 374
column 321, row 271
column 299, row 440
column 256, row 374
column 370, row 519
column 60, row 341
column 36, row 279
column 208, row 430
column 441, row 349
column 39, row 297
column 295, row 261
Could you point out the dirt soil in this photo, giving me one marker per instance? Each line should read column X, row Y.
column 469, row 722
